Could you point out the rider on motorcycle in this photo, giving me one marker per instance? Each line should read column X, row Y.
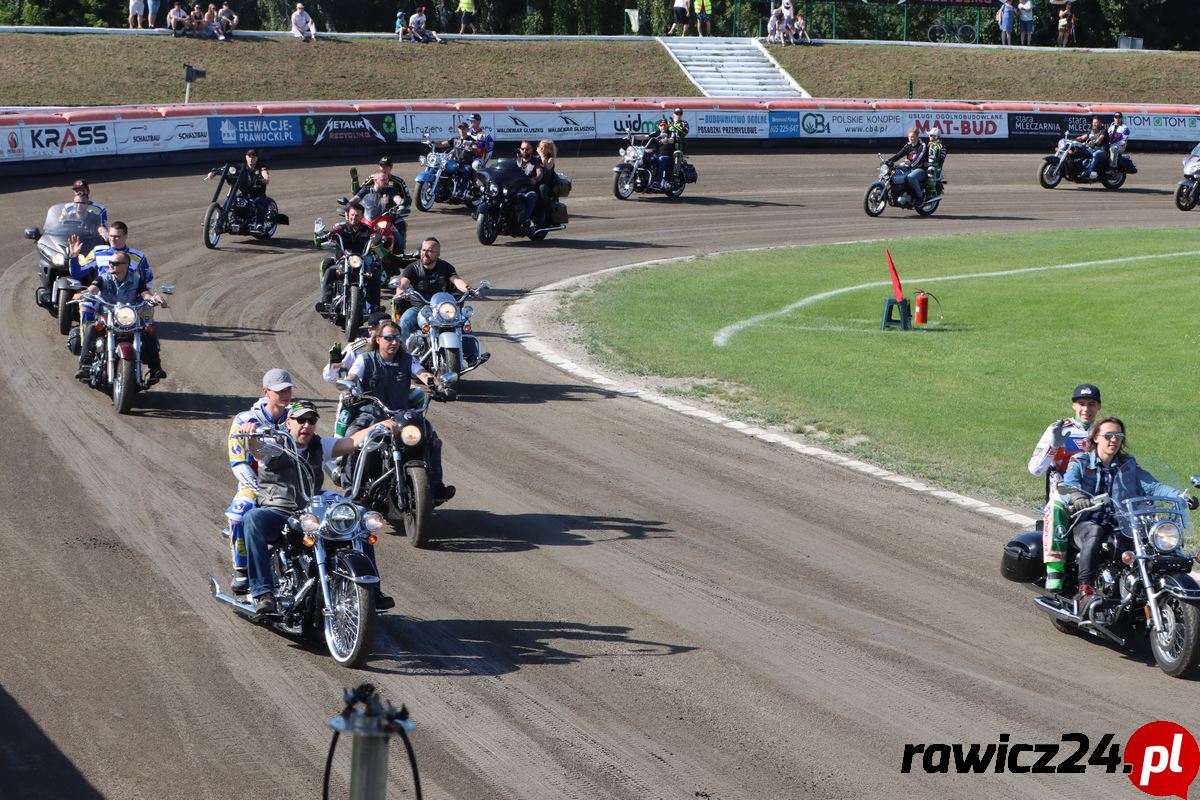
column 378, row 196
column 83, row 194
column 1104, row 468
column 280, row 494
column 936, row 158
column 253, row 186
column 429, row 275
column 661, row 146
column 1118, row 140
column 531, row 164
column 916, row 156
column 97, row 262
column 120, row 284
column 352, row 235
column 386, row 373
column 1097, row 141
column 397, row 187
column 678, row 126
column 1063, row 439
column 482, row 139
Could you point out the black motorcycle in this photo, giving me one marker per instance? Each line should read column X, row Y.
column 498, row 210
column 888, row 190
column 117, row 366
column 391, row 470
column 635, row 173
column 1143, row 584
column 349, row 306
column 54, row 273
column 1071, row 161
column 237, row 214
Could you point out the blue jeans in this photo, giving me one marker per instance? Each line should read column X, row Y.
column 1099, row 157
column 530, row 198
column 408, row 322
column 914, row 179
column 662, row 164
column 264, row 526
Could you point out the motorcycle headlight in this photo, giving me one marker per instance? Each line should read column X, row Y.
column 342, row 518
column 1166, row 537
column 448, row 311
column 621, row 152
column 125, row 316
column 381, row 225
column 59, row 259
column 410, row 435
column 468, row 312
column 355, row 262
column 309, row 522
column 372, row 520
column 493, row 190
column 421, row 161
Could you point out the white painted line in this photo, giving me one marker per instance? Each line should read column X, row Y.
column 518, row 322
column 722, row 337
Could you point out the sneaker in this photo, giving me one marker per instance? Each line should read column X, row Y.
column 240, row 582
column 383, row 602
column 264, row 604
column 1092, row 176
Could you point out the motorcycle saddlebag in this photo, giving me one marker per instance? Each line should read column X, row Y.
column 689, row 173
column 1126, row 165
column 558, row 213
column 562, row 185
column 1022, row 560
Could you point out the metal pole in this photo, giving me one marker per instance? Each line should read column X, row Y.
column 906, row 23
column 910, row 88
column 369, row 766
column 187, row 92
column 833, row 27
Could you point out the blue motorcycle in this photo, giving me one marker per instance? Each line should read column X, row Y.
column 447, row 177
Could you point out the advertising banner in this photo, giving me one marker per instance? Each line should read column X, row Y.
column 254, row 131
column 848, row 124
column 11, row 148
column 158, row 135
column 513, row 126
column 729, row 124
column 960, row 124
column 68, row 141
column 1161, row 127
column 618, row 124
column 1046, row 126
column 411, row 126
column 325, row 129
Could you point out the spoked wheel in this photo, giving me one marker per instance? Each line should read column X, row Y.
column 350, row 621
column 418, row 513
column 623, row 184
column 966, row 33
column 1049, row 175
column 1177, row 648
column 486, row 228
column 936, row 33
column 122, row 389
column 1114, row 181
column 1185, row 199
column 875, row 199
column 214, row 225
column 424, row 195
column 354, row 312
column 269, row 223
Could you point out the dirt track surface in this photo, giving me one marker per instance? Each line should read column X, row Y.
column 622, row 603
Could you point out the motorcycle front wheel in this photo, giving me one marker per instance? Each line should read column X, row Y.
column 623, row 184
column 354, row 312
column 350, row 623
column 122, row 390
column 1049, row 176
column 1115, row 181
column 875, row 200
column 424, row 195
column 214, row 225
column 486, row 228
column 418, row 512
column 1185, row 198
column 1177, row 648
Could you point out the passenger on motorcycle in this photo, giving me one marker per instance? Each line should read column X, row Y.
column 662, row 146
column 270, row 412
column 1105, row 468
column 531, row 164
column 916, row 159
column 395, row 186
column 482, row 138
column 678, row 126
column 352, row 235
column 378, row 197
column 1118, row 140
column 280, row 494
column 120, row 284
column 1062, row 440
column 936, row 158
column 83, row 200
column 386, row 373
column 1097, row 141
column 428, row 275
column 548, row 153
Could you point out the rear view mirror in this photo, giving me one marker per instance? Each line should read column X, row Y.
column 485, row 284
column 168, row 289
column 33, row 233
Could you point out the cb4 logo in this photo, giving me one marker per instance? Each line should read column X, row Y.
column 1162, row 759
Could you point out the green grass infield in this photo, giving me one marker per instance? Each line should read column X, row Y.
column 960, row 401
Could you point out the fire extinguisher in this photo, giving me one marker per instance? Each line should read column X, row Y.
column 922, row 303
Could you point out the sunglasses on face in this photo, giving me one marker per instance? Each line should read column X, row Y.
column 306, row 420
column 390, row 337
column 1113, row 436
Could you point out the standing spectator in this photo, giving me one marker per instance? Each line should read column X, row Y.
column 1066, row 24
column 137, row 11
column 467, row 9
column 1008, row 17
column 789, row 21
column 227, row 20
column 703, row 10
column 1026, row 9
column 303, row 27
column 177, row 19
column 153, row 17
column 775, row 27
column 679, row 16
column 417, row 29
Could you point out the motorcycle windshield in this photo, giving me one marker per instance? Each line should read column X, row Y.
column 505, row 173
column 1144, row 513
column 66, row 219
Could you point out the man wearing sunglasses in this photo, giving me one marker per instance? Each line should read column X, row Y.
column 281, row 493
column 428, row 275
column 121, row 284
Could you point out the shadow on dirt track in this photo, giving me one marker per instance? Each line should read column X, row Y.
column 471, row 531
column 31, row 763
column 484, row 391
column 190, row 332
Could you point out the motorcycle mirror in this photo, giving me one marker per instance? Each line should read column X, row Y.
column 270, row 448
column 394, row 282
column 168, row 289
column 349, row 386
column 33, row 233
column 485, row 284
column 341, row 201
column 1195, row 479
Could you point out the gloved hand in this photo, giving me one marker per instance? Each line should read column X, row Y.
column 335, row 354
column 1193, row 502
column 1078, row 501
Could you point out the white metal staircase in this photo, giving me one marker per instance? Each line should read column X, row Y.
column 731, row 67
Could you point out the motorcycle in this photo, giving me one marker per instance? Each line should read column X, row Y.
column 390, row 225
column 349, row 306
column 236, row 214
column 444, row 329
column 446, row 177
column 1071, row 160
column 117, row 362
column 324, row 584
column 498, row 210
column 886, row 192
column 635, row 173
column 1143, row 586
column 1187, row 193
column 391, row 470
column 54, row 273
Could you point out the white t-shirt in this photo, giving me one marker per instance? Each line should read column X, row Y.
column 788, row 9
column 301, row 21
column 681, row 4
column 416, row 21
column 177, row 13
column 1026, row 9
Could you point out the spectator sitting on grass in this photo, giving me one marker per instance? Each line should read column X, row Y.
column 401, row 28
column 800, row 29
column 303, row 27
column 196, row 20
column 227, row 20
column 212, row 27
column 417, row 29
column 177, row 19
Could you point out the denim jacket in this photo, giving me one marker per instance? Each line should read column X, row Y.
column 1083, row 474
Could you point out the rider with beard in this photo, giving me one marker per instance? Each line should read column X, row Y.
column 531, row 164
column 1097, row 141
column 916, row 157
column 352, row 235
column 120, row 284
column 662, row 146
column 386, row 373
column 378, row 196
column 429, row 275
column 280, row 494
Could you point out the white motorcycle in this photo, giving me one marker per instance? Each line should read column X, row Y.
column 443, row 330
column 1187, row 193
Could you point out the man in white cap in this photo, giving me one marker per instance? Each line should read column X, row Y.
column 303, row 26
column 270, row 411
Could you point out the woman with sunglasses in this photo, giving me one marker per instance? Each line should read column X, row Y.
column 1104, row 467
